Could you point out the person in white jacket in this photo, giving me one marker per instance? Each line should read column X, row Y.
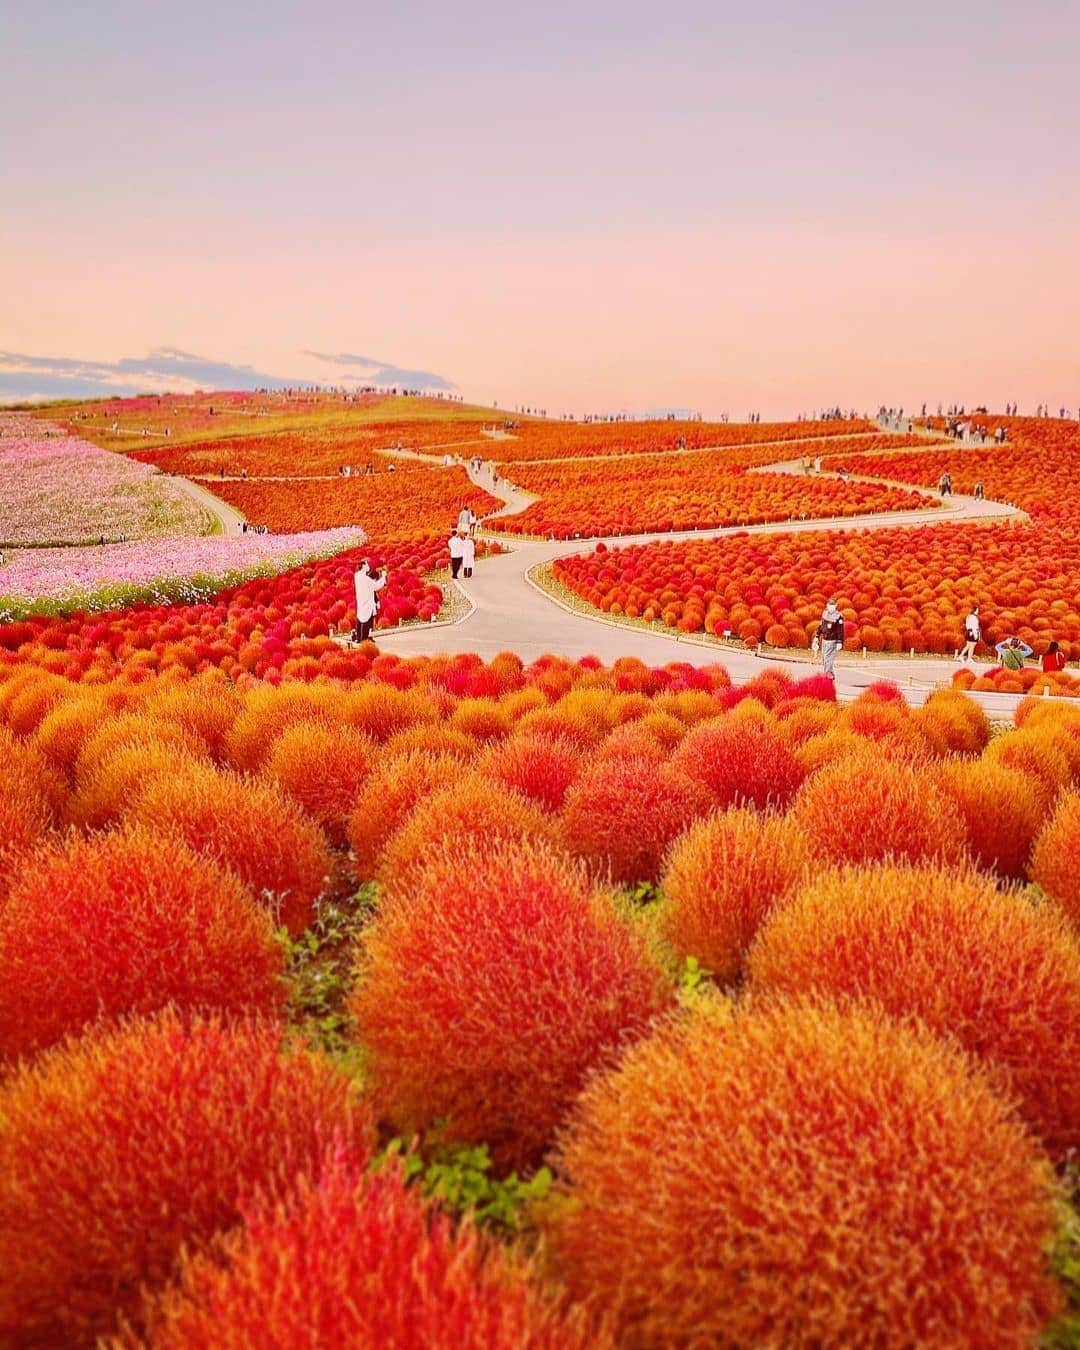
column 456, row 545
column 468, row 556
column 368, row 583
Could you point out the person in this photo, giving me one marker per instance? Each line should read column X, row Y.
column 465, row 521
column 1053, row 659
column 1012, row 653
column 367, row 582
column 468, row 555
column 972, row 634
column 457, row 552
column 978, row 490
column 830, row 636
column 945, row 484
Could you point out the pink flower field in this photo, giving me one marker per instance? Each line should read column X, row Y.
column 157, row 571
column 61, row 490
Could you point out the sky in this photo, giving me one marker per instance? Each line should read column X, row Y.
column 578, row 207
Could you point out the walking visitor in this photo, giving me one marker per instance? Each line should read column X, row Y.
column 456, row 546
column 972, row 635
column 829, row 636
column 468, row 555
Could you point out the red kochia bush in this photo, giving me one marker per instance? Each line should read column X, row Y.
column 28, row 790
column 490, row 983
column 388, row 795
column 359, row 1260
column 741, row 762
column 722, row 878
column 123, row 923
column 250, row 828
column 1000, row 975
column 621, row 814
column 1055, row 863
column 322, row 768
column 471, row 808
column 1002, row 810
column 803, row 1176
column 118, row 1148
column 866, row 809
column 539, row 767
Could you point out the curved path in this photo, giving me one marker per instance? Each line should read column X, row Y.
column 511, row 612
column 229, row 520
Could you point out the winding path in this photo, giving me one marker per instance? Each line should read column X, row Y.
column 510, row 611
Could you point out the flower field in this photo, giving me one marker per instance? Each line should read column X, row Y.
column 352, row 998
column 62, row 490
column 413, row 500
column 659, row 493
column 354, row 983
column 61, row 580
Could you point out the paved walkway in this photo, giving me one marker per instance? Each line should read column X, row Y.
column 512, row 613
column 227, row 518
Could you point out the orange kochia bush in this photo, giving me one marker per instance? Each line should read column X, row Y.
column 989, row 968
column 360, row 1259
column 123, row 923
column 683, row 492
column 898, row 589
column 802, row 1175
column 119, row 1148
column 492, row 979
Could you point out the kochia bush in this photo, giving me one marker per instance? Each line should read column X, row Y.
column 118, row 1148
column 742, row 762
column 1000, row 975
column 802, row 1175
column 360, row 1260
column 127, row 923
column 490, row 982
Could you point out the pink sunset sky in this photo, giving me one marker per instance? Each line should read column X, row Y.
column 579, row 207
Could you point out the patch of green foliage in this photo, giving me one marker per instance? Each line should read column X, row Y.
column 461, row 1182
column 1064, row 1334
column 318, row 967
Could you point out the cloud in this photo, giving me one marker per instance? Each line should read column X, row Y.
column 372, row 370
column 169, row 369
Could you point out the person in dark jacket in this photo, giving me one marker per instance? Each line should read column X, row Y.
column 830, row 636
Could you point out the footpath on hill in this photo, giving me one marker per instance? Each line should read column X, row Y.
column 510, row 611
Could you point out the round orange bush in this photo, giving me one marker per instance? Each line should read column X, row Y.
column 803, row 1176
column 1000, row 975
column 470, row 808
column 1002, row 810
column 865, row 809
column 27, row 794
column 128, row 732
column 64, row 730
column 208, row 707
column 359, row 1260
column 434, row 738
column 529, row 980
column 388, row 796
column 722, row 878
column 622, row 814
column 103, row 796
column 481, row 718
column 380, row 710
column 1033, row 752
column 539, row 767
column 322, row 768
column 267, row 712
column 632, row 740
column 120, row 923
column 250, row 828
column 741, row 761
column 120, row 1147
column 954, row 721
column 1054, row 862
